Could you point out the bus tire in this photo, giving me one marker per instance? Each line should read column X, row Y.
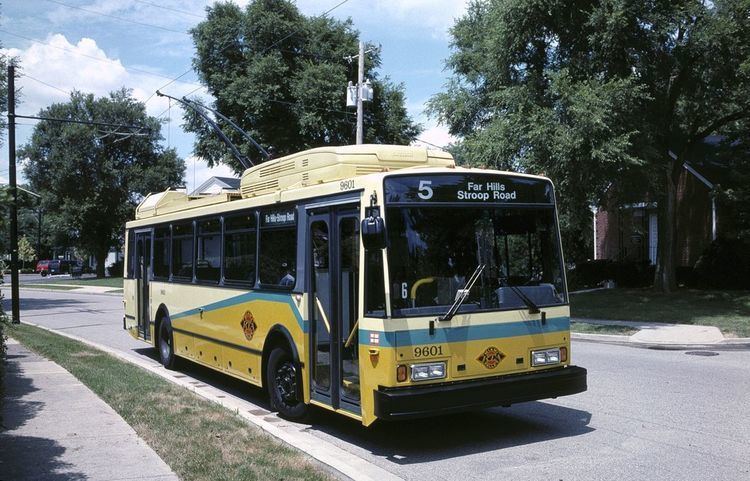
column 165, row 344
column 285, row 385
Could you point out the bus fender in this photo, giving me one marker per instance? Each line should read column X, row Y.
column 161, row 313
column 278, row 334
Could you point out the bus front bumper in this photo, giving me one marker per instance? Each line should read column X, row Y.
column 407, row 402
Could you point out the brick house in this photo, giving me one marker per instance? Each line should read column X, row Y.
column 629, row 232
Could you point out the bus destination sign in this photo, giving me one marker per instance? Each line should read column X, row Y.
column 481, row 188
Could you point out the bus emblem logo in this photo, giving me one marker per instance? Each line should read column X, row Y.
column 491, row 357
column 248, row 325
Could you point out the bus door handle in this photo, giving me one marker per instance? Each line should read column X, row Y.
column 200, row 311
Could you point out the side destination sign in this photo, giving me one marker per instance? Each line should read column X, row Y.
column 467, row 188
column 277, row 218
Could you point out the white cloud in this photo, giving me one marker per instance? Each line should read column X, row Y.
column 435, row 135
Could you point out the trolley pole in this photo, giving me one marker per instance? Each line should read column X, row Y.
column 15, row 309
column 360, row 83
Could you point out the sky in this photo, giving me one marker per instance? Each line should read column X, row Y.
column 102, row 45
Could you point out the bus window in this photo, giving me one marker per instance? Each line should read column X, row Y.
column 182, row 251
column 208, row 263
column 374, row 283
column 278, row 249
column 161, row 253
column 239, row 248
column 130, row 274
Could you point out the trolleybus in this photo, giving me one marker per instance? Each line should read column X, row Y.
column 379, row 282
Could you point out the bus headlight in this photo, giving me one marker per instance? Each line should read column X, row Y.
column 545, row 357
column 423, row 372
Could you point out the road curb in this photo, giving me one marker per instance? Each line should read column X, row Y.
column 339, row 461
column 70, row 291
column 740, row 344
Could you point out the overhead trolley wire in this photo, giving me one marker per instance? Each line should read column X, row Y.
column 169, row 8
column 221, row 49
column 122, row 19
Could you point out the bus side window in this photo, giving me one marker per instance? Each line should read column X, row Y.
column 208, row 264
column 161, row 253
column 374, row 283
column 239, row 248
column 182, row 251
column 278, row 250
column 130, row 258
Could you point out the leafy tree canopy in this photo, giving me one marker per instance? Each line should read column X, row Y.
column 597, row 94
column 282, row 76
column 92, row 177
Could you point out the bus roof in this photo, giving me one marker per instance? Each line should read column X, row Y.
column 310, row 167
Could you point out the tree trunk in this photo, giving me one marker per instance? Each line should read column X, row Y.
column 101, row 258
column 665, row 279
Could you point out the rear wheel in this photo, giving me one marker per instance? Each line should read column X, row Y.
column 285, row 385
column 165, row 344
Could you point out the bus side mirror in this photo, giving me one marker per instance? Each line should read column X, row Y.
column 373, row 231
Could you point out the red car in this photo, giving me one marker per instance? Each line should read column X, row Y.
column 42, row 267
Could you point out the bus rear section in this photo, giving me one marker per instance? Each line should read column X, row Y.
column 476, row 296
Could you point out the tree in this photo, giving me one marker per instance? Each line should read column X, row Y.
column 92, row 177
column 282, row 76
column 25, row 251
column 602, row 95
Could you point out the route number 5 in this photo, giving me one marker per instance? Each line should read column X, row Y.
column 425, row 191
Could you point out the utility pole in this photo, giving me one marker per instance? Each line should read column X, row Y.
column 360, row 82
column 15, row 309
column 360, row 93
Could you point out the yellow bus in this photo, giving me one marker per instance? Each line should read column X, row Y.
column 379, row 282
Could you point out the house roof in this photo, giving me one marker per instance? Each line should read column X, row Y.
column 215, row 185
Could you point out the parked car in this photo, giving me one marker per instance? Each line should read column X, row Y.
column 61, row 267
column 42, row 267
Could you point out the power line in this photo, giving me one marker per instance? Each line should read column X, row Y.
column 71, row 121
column 227, row 45
column 170, row 9
column 45, row 83
column 108, row 61
column 122, row 19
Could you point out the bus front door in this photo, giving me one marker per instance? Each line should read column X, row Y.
column 334, row 270
column 143, row 264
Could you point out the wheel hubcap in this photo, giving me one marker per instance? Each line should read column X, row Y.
column 286, row 383
column 164, row 343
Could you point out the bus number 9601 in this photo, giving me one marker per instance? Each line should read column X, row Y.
column 428, row 351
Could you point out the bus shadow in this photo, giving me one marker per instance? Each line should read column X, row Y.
column 419, row 440
column 210, row 377
column 452, row 436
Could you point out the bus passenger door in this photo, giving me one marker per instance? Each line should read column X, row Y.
column 142, row 268
column 333, row 235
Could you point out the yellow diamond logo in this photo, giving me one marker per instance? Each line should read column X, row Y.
column 491, row 357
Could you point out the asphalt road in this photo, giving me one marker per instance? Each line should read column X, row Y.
column 648, row 414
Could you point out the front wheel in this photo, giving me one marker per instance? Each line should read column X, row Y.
column 165, row 344
column 285, row 385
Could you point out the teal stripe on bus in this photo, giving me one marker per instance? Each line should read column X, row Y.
column 244, row 298
column 463, row 333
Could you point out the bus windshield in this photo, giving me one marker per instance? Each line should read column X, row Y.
column 432, row 251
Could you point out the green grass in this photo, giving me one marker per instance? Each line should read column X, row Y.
column 199, row 440
column 601, row 329
column 49, row 286
column 727, row 310
column 93, row 281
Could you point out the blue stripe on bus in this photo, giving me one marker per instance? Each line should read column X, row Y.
column 247, row 297
column 463, row 333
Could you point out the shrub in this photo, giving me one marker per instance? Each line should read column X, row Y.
column 625, row 274
column 116, row 269
column 725, row 264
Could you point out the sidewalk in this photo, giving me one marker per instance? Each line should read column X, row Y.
column 658, row 335
column 75, row 288
column 56, row 429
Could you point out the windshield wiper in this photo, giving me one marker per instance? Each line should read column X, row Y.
column 462, row 294
column 533, row 308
